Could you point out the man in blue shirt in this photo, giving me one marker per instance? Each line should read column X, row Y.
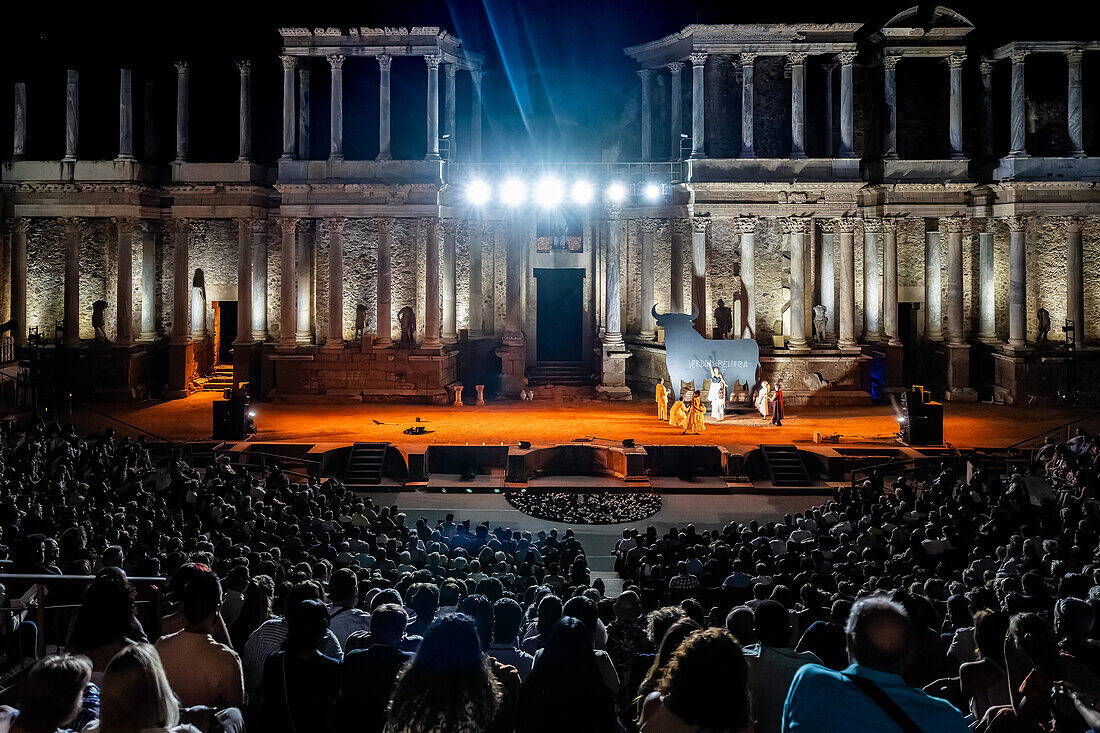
column 870, row 694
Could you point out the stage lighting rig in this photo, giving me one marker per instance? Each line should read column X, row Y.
column 549, row 192
column 582, row 193
column 652, row 192
column 513, row 192
column 616, row 192
column 478, row 193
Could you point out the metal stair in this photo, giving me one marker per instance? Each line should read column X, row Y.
column 220, row 379
column 786, row 465
column 365, row 464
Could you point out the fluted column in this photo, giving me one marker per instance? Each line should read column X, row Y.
column 124, row 297
column 289, row 64
column 797, row 63
column 288, row 303
column 336, row 111
column 259, row 280
column 953, row 226
column 872, row 281
column 6, row 272
column 829, row 148
column 450, row 279
column 1017, row 282
column 799, row 227
column 986, row 69
column 675, row 114
column 72, row 115
column 676, row 266
column 1075, row 108
column 1018, row 127
column 698, row 105
column 71, row 318
column 475, row 115
column 183, row 120
column 477, row 298
column 513, row 284
column 19, row 121
column 385, row 61
column 303, row 328
column 890, row 94
column 828, row 277
column 747, row 226
column 181, row 280
column 890, row 280
column 846, row 270
column 847, row 134
column 148, row 331
column 19, row 281
column 244, row 145
column 449, row 110
column 699, row 273
column 647, row 114
column 335, row 228
column 244, row 287
column 125, row 115
column 748, row 60
column 431, row 287
column 648, row 229
column 613, row 336
column 933, row 287
column 432, row 62
column 955, row 105
column 384, row 321
column 987, row 289
column 1075, row 302
column 303, row 110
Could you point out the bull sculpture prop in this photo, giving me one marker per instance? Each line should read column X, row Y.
column 689, row 357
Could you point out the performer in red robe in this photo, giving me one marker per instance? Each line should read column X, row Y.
column 777, row 405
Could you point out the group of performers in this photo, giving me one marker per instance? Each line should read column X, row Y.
column 689, row 417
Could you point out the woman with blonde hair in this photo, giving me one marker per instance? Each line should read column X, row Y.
column 135, row 696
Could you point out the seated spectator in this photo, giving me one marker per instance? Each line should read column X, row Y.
column 344, row 616
column 670, row 642
column 983, row 683
column 300, row 684
column 57, row 695
column 772, row 664
column 236, row 583
column 480, row 610
column 585, row 611
column 255, row 609
column 105, row 623
column 176, row 620
column 739, row 622
column 507, row 616
column 135, row 696
column 626, row 635
column 549, row 611
column 368, row 676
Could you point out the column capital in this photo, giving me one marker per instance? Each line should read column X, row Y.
column 645, row 73
column 747, row 58
column 487, row 226
column 699, row 224
column 650, row 226
column 20, row 225
column 289, row 224
column 476, row 75
column 953, row 224
column 303, row 71
column 70, row 224
column 385, row 224
column 244, row 66
column 890, row 224
column 746, row 224
column 613, row 212
column 698, row 59
column 336, row 61
column 450, row 227
column 246, row 225
column 797, row 57
column 433, row 60
column 124, row 224
column 798, row 224
column 825, row 225
column 846, row 58
column 289, row 62
column 181, row 226
column 845, row 224
column 675, row 67
column 1018, row 55
column 890, row 60
column 1075, row 55
column 449, row 71
column 385, row 61
column 182, row 67
column 259, row 226
column 956, row 60
column 1074, row 223
column 1016, row 223
column 335, row 224
column 872, row 226
column 986, row 67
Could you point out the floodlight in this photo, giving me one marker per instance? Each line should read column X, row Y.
column 582, row 192
column 616, row 192
column 549, row 193
column 652, row 192
column 513, row 192
column 478, row 193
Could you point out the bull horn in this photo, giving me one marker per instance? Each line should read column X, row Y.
column 694, row 311
column 656, row 315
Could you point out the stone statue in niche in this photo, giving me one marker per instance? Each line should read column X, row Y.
column 406, row 318
column 1044, row 326
column 723, row 319
column 821, row 321
column 99, row 320
column 360, row 320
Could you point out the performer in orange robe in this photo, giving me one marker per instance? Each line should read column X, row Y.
column 662, row 400
column 678, row 417
column 695, row 415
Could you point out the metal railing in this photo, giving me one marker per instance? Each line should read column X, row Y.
column 924, row 465
column 1089, row 423
column 266, row 459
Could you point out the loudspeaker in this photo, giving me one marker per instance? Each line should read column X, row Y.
column 524, row 445
column 628, row 443
column 230, row 419
column 922, row 422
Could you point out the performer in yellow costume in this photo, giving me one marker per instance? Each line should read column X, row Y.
column 662, row 400
column 695, row 415
column 678, row 417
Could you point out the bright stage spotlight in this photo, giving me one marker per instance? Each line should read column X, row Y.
column 549, row 193
column 616, row 192
column 478, row 193
column 582, row 193
column 652, row 192
column 513, row 192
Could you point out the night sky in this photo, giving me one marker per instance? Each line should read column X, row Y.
column 557, row 81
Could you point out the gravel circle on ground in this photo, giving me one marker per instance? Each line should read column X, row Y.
column 571, row 508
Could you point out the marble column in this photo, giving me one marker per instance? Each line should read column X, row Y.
column 890, row 94
column 450, row 281
column 648, row 229
column 1018, row 126
column 797, row 63
column 181, row 280
column 698, row 105
column 303, row 327
column 953, row 226
column 149, row 105
column 125, row 115
column 612, row 332
column 259, row 280
column 19, row 122
column 383, row 329
column 1017, row 282
column 828, row 277
column 933, row 287
column 288, row 301
column 987, row 289
column 19, row 282
column 183, row 120
column 148, row 332
column 987, row 108
column 847, row 136
column 432, row 61
column 476, row 289
column 699, row 273
column 746, row 225
column 124, row 296
column 748, row 60
column 71, row 317
column 244, row 145
column 644, row 76
column 872, row 281
column 72, row 115
column 890, row 280
column 5, row 271
column 432, row 338
column 1075, row 302
column 336, row 111
column 385, row 62
column 335, row 228
column 475, row 116
column 1075, row 108
column 846, row 271
column 675, row 114
column 449, row 110
column 289, row 64
column 955, row 105
column 513, row 284
column 303, row 110
column 676, row 266
column 829, row 148
column 801, row 230
column 244, row 283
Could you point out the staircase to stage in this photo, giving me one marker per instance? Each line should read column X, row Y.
column 786, row 466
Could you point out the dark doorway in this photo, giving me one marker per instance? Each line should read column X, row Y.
column 225, row 329
column 560, row 314
column 909, row 336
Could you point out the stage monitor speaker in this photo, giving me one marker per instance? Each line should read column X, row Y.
column 230, row 419
column 524, row 445
column 628, row 443
column 922, row 422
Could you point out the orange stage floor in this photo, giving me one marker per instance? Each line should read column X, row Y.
column 966, row 425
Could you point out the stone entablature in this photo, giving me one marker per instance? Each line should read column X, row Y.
column 764, row 39
column 363, row 41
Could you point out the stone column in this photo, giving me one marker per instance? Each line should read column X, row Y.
column 675, row 114
column 953, row 226
column 19, row 282
column 890, row 93
column 181, row 280
column 890, row 280
column 847, row 137
column 148, row 332
column 872, row 281
column 19, row 122
column 244, row 146
column 336, row 113
column 987, row 324
column 676, row 266
column 698, row 105
column 385, row 61
column 1075, row 108
column 987, row 108
column 933, row 288
column 150, row 112
column 477, row 296
column 288, row 302
column 124, row 300
column 383, row 328
column 449, row 110
column 647, row 114
column 244, row 285
column 335, row 228
column 259, row 280
column 72, row 282
column 183, row 121
column 955, row 107
column 433, row 61
column 747, row 226
column 289, row 64
column 699, row 273
column 748, row 60
column 800, row 227
column 828, row 278
column 1018, row 127
column 475, row 116
column 797, row 63
column 6, row 271
column 450, row 278
column 846, row 269
column 612, row 336
column 1017, row 282
column 125, row 116
column 431, row 287
column 513, row 284
column 1075, row 303
column 303, row 328
column 72, row 114
column 829, row 109
column 648, row 228
column 303, row 110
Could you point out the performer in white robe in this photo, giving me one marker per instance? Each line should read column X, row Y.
column 763, row 397
column 717, row 395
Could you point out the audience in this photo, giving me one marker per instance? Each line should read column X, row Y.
column 299, row 683
column 368, row 676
